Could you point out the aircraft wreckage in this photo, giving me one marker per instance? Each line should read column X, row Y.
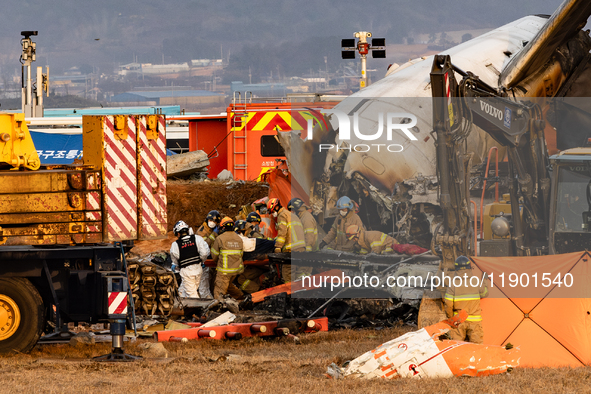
column 377, row 147
column 427, row 353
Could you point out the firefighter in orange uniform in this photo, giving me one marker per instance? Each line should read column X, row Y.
column 226, row 251
column 466, row 297
column 260, row 208
column 370, row 241
column 290, row 233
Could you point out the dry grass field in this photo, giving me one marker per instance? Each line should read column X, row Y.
column 251, row 365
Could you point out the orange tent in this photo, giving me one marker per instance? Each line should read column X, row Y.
column 546, row 315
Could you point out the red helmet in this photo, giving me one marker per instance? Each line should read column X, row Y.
column 273, row 205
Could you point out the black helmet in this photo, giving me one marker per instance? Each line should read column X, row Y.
column 240, row 226
column 295, row 203
column 462, row 263
column 214, row 216
column 253, row 217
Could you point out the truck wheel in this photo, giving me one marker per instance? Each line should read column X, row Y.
column 21, row 315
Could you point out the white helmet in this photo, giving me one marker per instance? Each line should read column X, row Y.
column 180, row 226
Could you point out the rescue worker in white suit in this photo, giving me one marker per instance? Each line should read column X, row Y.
column 189, row 252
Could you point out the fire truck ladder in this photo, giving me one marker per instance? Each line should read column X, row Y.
column 239, row 123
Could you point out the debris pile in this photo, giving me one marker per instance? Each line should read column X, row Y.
column 154, row 288
column 148, row 250
column 341, row 313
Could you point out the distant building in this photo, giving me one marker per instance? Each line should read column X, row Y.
column 197, row 67
column 189, row 100
column 206, row 62
column 261, row 89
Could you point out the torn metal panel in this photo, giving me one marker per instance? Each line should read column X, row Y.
column 421, row 354
column 564, row 24
column 298, row 154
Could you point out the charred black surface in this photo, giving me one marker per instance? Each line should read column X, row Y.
column 349, row 313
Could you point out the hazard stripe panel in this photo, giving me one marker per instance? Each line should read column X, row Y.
column 117, row 303
column 130, row 150
column 151, row 141
column 120, row 179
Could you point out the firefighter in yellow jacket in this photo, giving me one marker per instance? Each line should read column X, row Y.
column 466, row 297
column 336, row 237
column 310, row 233
column 253, row 226
column 210, row 228
column 290, row 233
column 308, row 223
column 227, row 252
column 370, row 241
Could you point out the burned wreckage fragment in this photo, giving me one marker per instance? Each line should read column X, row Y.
column 405, row 211
column 340, row 293
column 428, row 353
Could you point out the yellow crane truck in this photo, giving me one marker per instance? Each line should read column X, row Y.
column 63, row 229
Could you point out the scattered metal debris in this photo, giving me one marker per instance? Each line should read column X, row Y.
column 425, row 353
column 237, row 331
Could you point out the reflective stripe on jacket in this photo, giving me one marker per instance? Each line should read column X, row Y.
column 227, row 252
column 337, row 231
column 376, row 242
column 310, row 229
column 465, row 297
column 290, row 233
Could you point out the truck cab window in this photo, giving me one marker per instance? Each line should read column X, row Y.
column 270, row 147
column 572, row 200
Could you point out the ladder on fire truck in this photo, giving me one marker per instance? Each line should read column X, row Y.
column 239, row 128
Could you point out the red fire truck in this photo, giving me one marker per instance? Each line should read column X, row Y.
column 243, row 140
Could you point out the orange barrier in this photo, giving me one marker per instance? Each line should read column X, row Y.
column 292, row 287
column 245, row 330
